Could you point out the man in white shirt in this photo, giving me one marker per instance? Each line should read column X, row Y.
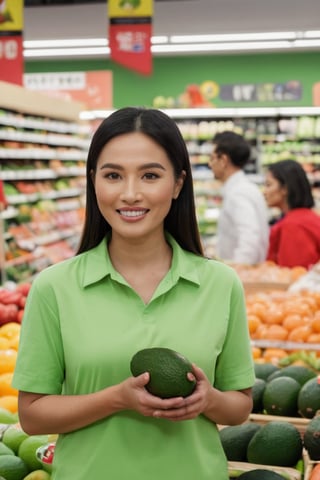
column 243, row 229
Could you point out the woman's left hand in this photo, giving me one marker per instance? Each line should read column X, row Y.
column 194, row 404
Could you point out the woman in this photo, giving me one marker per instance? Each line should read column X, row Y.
column 139, row 280
column 295, row 237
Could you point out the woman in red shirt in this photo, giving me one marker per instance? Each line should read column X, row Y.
column 295, row 237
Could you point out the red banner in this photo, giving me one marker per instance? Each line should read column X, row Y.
column 130, row 32
column 11, row 59
column 131, row 46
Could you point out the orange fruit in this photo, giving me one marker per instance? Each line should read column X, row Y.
column 9, row 402
column 291, row 321
column 274, row 315
column 300, row 334
column 5, row 385
column 276, row 332
column 4, row 343
column 315, row 323
column 253, row 322
column 256, row 352
column 313, row 338
column 14, row 342
column 10, row 329
column 258, row 309
column 273, row 355
column 8, row 360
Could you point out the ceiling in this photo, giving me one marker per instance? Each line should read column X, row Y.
column 85, row 19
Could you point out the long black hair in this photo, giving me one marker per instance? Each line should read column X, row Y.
column 181, row 220
column 291, row 175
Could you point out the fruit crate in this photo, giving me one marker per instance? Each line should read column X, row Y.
column 309, row 465
column 262, row 419
column 235, row 468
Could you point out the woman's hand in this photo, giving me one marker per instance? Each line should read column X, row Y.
column 134, row 396
column 193, row 405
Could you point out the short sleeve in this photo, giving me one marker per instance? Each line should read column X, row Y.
column 40, row 362
column 235, row 368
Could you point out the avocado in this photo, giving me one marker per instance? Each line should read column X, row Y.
column 260, row 474
column 311, row 438
column 257, row 395
column 309, row 398
column 235, row 440
column 299, row 373
column 276, row 443
column 280, row 397
column 263, row 370
column 168, row 371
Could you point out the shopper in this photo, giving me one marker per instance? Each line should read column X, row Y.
column 139, row 280
column 243, row 229
column 295, row 237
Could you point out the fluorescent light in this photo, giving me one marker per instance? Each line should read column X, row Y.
column 162, row 44
column 159, row 39
column 312, row 34
column 306, row 43
column 187, row 48
column 211, row 47
column 71, row 42
column 81, row 42
column 233, row 37
column 66, row 52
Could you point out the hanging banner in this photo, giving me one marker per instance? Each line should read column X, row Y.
column 11, row 59
column 130, row 31
column 11, row 41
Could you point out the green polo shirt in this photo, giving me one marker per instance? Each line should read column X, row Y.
column 82, row 325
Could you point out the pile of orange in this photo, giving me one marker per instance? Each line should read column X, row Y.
column 9, row 342
column 285, row 317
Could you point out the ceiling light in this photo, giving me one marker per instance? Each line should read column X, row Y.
column 233, row 37
column 312, row 34
column 211, row 47
column 306, row 43
column 66, row 52
column 67, row 42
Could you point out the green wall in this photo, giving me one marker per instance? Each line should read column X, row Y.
column 171, row 75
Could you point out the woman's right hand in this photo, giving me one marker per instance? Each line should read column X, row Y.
column 135, row 396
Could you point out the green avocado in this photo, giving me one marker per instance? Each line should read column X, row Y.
column 168, row 371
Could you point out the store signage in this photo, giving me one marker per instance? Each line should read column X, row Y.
column 93, row 89
column 261, row 92
column 130, row 31
column 11, row 50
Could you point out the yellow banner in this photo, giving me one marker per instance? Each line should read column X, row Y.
column 130, row 8
column 11, row 15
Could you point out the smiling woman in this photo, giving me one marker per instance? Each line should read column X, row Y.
column 139, row 281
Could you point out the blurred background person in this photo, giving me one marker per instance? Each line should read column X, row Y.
column 243, row 228
column 295, row 237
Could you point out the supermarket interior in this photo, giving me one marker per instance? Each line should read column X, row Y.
column 250, row 67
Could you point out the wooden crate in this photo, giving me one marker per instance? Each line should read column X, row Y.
column 262, row 419
column 309, row 465
column 234, row 469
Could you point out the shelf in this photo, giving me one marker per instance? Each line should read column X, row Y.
column 43, row 150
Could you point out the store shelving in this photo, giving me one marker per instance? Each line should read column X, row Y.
column 43, row 149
